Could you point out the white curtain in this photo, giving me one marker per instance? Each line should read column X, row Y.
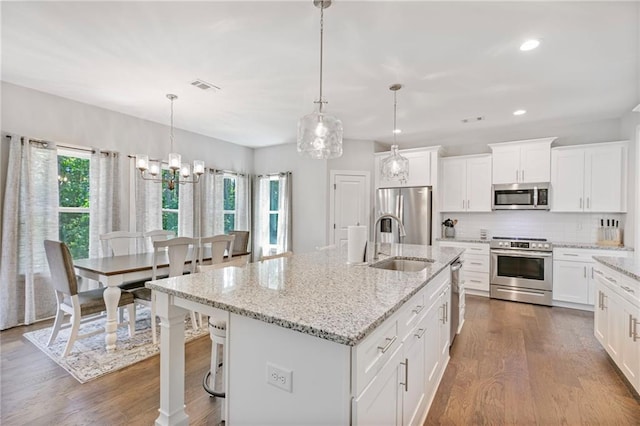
column 104, row 196
column 261, row 217
column 207, row 202
column 243, row 203
column 284, row 212
column 186, row 207
column 218, row 203
column 30, row 216
column 148, row 205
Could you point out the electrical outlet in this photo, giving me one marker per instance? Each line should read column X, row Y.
column 280, row 377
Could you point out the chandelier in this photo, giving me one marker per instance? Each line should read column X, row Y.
column 178, row 172
column 395, row 166
column 320, row 134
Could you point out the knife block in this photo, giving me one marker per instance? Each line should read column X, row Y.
column 609, row 236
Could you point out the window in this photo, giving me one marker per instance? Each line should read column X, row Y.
column 73, row 201
column 229, row 205
column 274, row 186
column 170, row 201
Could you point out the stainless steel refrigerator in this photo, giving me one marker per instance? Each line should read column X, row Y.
column 412, row 206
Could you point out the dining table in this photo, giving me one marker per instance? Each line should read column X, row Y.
column 113, row 271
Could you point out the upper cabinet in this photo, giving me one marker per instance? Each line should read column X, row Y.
column 527, row 161
column 589, row 178
column 420, row 167
column 465, row 184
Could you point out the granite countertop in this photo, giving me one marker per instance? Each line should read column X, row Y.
column 315, row 293
column 465, row 240
column 627, row 266
column 560, row 244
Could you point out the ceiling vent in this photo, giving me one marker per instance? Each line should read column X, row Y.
column 472, row 119
column 201, row 84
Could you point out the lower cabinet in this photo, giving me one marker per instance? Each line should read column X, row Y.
column 574, row 276
column 617, row 321
column 475, row 268
column 402, row 390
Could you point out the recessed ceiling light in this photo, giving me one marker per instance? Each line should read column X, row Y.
column 519, row 112
column 529, row 45
column 397, row 131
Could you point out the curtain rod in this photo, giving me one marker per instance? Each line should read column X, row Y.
column 57, row 145
column 274, row 174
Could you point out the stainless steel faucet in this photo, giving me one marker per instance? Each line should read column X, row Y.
column 376, row 247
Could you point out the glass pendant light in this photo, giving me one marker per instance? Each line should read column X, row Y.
column 395, row 166
column 320, row 134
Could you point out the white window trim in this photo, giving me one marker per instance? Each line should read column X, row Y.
column 273, row 248
column 234, row 212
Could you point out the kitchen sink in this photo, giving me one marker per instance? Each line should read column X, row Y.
column 405, row 264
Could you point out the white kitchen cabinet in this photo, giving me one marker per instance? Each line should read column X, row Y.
column 589, row 178
column 475, row 267
column 617, row 320
column 466, row 184
column 526, row 161
column 574, row 277
column 421, row 165
column 398, row 368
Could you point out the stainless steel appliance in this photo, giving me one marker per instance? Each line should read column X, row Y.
column 522, row 196
column 521, row 270
column 412, row 206
column 455, row 297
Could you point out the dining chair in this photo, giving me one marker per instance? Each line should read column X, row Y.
column 159, row 235
column 178, row 250
column 241, row 243
column 69, row 300
column 119, row 243
column 217, row 244
column 276, row 256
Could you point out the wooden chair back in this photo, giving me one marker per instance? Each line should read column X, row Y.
column 120, row 243
column 241, row 242
column 219, row 244
column 178, row 251
column 61, row 267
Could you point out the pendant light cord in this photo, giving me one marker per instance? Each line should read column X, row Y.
column 171, row 125
column 320, row 101
column 395, row 108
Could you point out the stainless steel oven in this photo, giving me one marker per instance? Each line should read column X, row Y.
column 521, row 270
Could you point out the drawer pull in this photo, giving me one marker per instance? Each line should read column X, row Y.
column 476, row 263
column 418, row 309
column 571, row 254
column 612, row 280
column 627, row 289
column 420, row 333
column 390, row 342
column 476, row 281
column 598, row 271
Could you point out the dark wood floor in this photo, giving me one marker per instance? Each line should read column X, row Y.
column 512, row 364
column 516, row 363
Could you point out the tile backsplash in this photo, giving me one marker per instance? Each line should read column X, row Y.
column 561, row 227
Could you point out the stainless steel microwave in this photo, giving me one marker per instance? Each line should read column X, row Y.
column 520, row 196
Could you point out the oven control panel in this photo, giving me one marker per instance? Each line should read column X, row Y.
column 521, row 245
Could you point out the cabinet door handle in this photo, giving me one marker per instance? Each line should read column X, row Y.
column 418, row 309
column 517, row 175
column 631, row 326
column 462, row 204
column 585, row 272
column 588, row 203
column 635, row 330
column 592, row 272
column 468, row 204
column 388, row 345
column 522, row 176
column 599, row 300
column 580, row 202
column 420, row 333
column 406, row 374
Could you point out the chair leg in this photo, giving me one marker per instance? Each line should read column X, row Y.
column 56, row 326
column 131, row 309
column 75, row 327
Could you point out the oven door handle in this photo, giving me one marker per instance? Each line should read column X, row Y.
column 515, row 253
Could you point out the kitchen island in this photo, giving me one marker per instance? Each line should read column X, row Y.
column 311, row 339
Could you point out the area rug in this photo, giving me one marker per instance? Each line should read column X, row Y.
column 89, row 359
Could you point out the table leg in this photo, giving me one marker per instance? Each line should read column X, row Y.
column 111, row 299
column 171, row 362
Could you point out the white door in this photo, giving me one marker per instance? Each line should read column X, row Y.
column 454, row 185
column 567, row 180
column 350, row 200
column 479, row 184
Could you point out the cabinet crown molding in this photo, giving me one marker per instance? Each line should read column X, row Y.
column 590, row 145
column 548, row 140
column 435, row 148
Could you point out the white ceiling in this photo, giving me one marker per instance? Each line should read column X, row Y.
column 455, row 59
